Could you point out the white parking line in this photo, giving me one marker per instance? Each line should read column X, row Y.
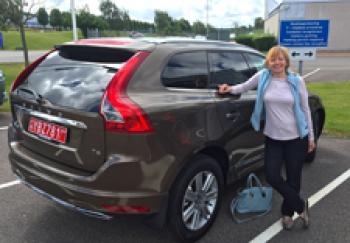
column 277, row 227
column 8, row 184
column 4, row 128
column 311, row 73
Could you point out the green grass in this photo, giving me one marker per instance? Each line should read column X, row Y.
column 11, row 71
column 336, row 100
column 335, row 97
column 36, row 40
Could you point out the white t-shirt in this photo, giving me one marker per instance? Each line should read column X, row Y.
column 280, row 123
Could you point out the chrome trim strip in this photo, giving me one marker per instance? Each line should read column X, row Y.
column 51, row 118
column 60, row 120
column 87, row 212
column 206, row 90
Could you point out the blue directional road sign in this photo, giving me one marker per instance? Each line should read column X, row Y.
column 304, row 33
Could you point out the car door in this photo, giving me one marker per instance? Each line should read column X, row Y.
column 182, row 107
column 243, row 145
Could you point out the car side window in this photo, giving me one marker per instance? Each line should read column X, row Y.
column 255, row 62
column 227, row 67
column 186, row 70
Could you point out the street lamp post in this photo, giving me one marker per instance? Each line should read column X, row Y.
column 207, row 19
column 74, row 21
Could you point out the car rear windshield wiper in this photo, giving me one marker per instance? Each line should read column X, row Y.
column 37, row 97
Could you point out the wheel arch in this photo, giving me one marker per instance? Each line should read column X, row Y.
column 215, row 152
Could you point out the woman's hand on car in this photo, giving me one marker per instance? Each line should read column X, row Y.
column 224, row 89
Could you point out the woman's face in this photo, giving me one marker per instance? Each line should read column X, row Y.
column 277, row 64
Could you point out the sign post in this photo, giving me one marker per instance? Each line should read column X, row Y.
column 302, row 37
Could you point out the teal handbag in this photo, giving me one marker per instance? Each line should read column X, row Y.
column 253, row 199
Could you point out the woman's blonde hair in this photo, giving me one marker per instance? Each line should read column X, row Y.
column 274, row 52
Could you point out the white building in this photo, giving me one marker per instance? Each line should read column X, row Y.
column 336, row 11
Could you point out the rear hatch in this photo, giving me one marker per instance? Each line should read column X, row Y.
column 57, row 106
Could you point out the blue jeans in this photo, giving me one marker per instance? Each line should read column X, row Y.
column 293, row 154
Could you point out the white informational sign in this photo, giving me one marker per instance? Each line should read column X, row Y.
column 302, row 54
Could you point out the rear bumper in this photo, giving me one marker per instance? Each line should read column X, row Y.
column 70, row 206
column 85, row 193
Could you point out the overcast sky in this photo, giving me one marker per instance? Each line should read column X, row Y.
column 222, row 13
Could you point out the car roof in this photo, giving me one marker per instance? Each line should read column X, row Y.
column 151, row 43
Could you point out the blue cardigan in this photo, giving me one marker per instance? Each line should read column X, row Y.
column 259, row 113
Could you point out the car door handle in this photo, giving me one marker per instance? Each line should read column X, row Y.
column 233, row 115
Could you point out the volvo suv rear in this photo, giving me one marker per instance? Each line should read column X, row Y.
column 113, row 126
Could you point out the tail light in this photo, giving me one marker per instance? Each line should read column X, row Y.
column 120, row 113
column 25, row 73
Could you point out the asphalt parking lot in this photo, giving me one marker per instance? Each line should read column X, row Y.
column 27, row 217
column 331, row 67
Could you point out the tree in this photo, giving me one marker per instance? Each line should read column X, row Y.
column 175, row 28
column 258, row 23
column 66, row 20
column 12, row 13
column 108, row 9
column 163, row 22
column 55, row 18
column 84, row 21
column 126, row 20
column 43, row 17
column 184, row 25
column 141, row 26
column 3, row 15
column 199, row 28
column 112, row 14
column 99, row 23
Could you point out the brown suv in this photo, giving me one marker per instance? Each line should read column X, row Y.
column 113, row 126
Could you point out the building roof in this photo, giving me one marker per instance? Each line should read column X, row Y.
column 313, row 1
column 275, row 10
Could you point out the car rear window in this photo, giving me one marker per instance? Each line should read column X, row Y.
column 76, row 77
column 94, row 54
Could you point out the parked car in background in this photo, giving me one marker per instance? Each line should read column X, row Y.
column 116, row 126
column 135, row 34
column 2, row 88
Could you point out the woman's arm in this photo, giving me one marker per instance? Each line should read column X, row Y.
column 306, row 108
column 247, row 85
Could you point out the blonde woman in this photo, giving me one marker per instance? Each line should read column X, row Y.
column 282, row 101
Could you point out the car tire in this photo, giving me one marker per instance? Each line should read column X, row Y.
column 316, row 125
column 193, row 211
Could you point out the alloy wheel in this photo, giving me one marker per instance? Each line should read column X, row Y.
column 200, row 200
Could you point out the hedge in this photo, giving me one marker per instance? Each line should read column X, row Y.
column 247, row 40
column 260, row 42
column 264, row 43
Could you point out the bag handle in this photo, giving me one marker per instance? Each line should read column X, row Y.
column 233, row 210
column 250, row 179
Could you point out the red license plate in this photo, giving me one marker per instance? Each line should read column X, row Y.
column 48, row 130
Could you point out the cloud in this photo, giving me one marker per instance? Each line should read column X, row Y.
column 222, row 13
